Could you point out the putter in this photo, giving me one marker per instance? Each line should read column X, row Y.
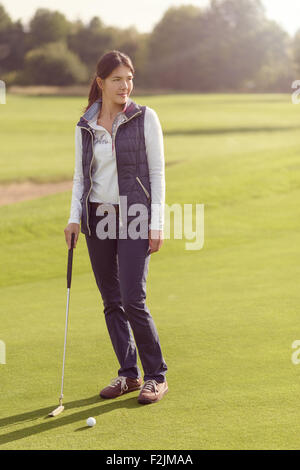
column 61, row 408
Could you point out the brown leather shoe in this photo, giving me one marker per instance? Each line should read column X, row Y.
column 121, row 385
column 152, row 391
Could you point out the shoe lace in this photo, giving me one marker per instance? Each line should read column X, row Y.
column 150, row 386
column 119, row 380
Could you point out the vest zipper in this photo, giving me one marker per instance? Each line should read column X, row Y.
column 114, row 141
column 86, row 199
column 145, row 190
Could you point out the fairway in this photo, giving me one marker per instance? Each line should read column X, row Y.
column 227, row 314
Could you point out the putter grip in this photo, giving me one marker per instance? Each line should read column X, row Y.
column 70, row 260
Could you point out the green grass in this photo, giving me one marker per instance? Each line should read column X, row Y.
column 227, row 314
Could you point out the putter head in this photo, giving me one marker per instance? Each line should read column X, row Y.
column 57, row 411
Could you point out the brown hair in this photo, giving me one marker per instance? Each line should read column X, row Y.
column 106, row 64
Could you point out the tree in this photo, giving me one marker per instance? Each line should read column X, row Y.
column 277, row 72
column 90, row 41
column 53, row 64
column 174, row 46
column 12, row 43
column 236, row 49
column 227, row 46
column 5, row 20
column 213, row 49
column 296, row 51
column 48, row 26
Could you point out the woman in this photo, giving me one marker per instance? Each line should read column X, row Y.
column 119, row 156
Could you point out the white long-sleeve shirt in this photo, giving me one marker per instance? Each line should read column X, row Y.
column 105, row 186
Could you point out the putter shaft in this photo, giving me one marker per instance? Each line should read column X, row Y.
column 61, row 408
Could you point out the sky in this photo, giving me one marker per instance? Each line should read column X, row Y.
column 143, row 14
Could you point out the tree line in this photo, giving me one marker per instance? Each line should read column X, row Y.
column 229, row 45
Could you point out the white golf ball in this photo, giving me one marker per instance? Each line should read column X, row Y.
column 91, row 422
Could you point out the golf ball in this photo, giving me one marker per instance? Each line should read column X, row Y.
column 91, row 422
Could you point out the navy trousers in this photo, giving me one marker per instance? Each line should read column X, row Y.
column 120, row 268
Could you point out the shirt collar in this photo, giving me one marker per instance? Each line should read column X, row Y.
column 90, row 114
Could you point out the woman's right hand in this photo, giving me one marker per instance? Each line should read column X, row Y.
column 71, row 228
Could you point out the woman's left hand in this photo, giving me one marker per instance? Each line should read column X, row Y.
column 156, row 239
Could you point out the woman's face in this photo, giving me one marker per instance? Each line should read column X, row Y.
column 118, row 85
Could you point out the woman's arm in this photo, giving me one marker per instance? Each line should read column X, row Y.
column 76, row 209
column 156, row 163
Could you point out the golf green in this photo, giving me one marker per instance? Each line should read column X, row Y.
column 227, row 314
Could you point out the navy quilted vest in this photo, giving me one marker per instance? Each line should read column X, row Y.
column 131, row 156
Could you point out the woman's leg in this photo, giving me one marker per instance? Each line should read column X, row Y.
column 103, row 256
column 134, row 259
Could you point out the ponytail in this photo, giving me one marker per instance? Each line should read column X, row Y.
column 94, row 94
